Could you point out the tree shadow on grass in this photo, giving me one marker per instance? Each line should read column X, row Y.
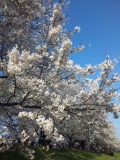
column 53, row 154
column 11, row 155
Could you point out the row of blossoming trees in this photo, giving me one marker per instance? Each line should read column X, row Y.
column 41, row 88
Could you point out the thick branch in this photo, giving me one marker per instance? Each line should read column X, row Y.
column 66, row 109
column 3, row 76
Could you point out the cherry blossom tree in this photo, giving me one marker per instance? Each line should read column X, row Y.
column 40, row 87
column 105, row 137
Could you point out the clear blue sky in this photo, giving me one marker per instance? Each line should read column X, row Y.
column 100, row 26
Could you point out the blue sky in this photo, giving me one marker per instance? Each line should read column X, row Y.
column 100, row 26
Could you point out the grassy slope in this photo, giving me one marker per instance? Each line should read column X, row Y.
column 61, row 154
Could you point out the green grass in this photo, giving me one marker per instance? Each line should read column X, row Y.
column 60, row 154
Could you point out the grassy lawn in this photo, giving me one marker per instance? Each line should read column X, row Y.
column 60, row 154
